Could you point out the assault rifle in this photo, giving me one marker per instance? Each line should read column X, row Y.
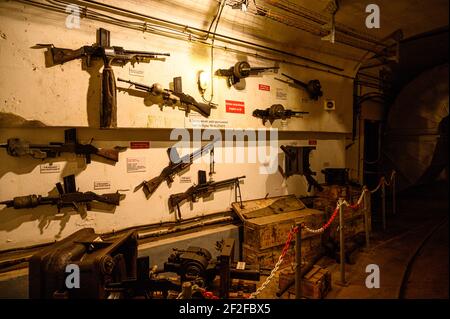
column 241, row 70
column 17, row 147
column 276, row 111
column 68, row 196
column 176, row 165
column 313, row 87
column 109, row 55
column 203, row 189
column 174, row 96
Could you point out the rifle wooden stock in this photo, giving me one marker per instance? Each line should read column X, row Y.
column 60, row 55
column 109, row 154
column 177, row 199
column 203, row 108
column 150, row 186
column 110, row 198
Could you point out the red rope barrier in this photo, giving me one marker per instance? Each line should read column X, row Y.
column 333, row 216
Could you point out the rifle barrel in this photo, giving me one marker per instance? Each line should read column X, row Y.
column 145, row 52
column 289, row 77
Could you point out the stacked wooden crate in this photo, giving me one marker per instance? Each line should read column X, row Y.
column 267, row 223
column 315, row 284
column 326, row 201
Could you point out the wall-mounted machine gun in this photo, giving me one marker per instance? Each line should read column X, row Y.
column 68, row 196
column 17, row 147
column 275, row 112
column 203, row 189
column 313, row 87
column 297, row 163
column 241, row 70
column 176, row 165
column 109, row 55
column 174, row 96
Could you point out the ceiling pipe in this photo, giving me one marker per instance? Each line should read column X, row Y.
column 185, row 28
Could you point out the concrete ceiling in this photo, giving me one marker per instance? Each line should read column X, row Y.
column 412, row 16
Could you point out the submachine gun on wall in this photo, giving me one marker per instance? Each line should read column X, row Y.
column 109, row 55
column 176, row 165
column 241, row 70
column 174, row 96
column 17, row 147
column 275, row 112
column 203, row 189
column 68, row 196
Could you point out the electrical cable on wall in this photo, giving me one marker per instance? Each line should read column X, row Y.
column 216, row 19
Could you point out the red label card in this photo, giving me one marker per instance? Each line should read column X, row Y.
column 312, row 142
column 139, row 145
column 264, row 87
column 234, row 107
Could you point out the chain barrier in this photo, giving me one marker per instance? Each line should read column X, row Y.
column 295, row 229
column 278, row 264
column 390, row 179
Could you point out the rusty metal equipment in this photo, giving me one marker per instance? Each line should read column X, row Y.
column 108, row 269
column 197, row 265
column 100, row 262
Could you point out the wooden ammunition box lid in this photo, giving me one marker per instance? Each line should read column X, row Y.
column 272, row 210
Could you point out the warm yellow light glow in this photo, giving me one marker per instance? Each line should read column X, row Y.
column 203, row 80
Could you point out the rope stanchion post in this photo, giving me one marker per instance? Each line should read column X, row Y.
column 366, row 209
column 298, row 262
column 383, row 203
column 342, row 242
column 394, row 204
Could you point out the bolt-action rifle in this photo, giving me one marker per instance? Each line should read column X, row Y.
column 174, row 96
column 176, row 165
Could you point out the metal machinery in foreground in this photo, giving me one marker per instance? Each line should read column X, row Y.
column 88, row 266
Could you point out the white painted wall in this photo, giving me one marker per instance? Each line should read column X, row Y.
column 61, row 96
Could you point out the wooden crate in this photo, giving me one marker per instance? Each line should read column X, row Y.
column 267, row 222
column 353, row 218
column 267, row 258
column 315, row 284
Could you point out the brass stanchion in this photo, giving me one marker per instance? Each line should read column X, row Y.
column 394, row 204
column 366, row 215
column 342, row 242
column 298, row 262
column 383, row 203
